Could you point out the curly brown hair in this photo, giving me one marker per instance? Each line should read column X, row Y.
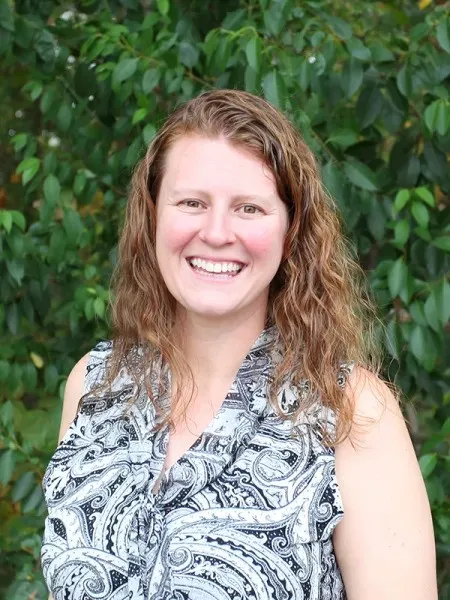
column 319, row 299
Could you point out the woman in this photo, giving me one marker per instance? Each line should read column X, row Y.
column 234, row 440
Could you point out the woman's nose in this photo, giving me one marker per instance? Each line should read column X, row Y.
column 217, row 228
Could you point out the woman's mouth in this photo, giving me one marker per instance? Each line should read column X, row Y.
column 215, row 269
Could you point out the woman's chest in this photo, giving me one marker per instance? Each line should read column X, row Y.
column 238, row 516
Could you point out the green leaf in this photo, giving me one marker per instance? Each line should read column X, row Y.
column 46, row 44
column 89, row 309
column 437, row 116
column 416, row 310
column 73, row 226
column 125, row 69
column 4, row 372
column 361, row 175
column 376, row 221
column 357, row 49
column 52, row 189
column 28, row 167
column 19, row 141
column 343, row 138
column 29, row 376
column 393, row 342
column 425, row 195
column 85, row 81
column 150, row 80
column 431, row 312
column 139, row 115
column 64, row 117
column 16, row 269
column 7, row 409
column 33, row 500
column 340, row 27
column 235, row 19
column 12, row 318
column 443, row 33
column 334, row 181
column 381, row 53
column 6, row 16
column 420, row 213
column 401, row 200
column 274, row 90
column 369, row 105
column 51, row 378
column 188, row 53
column 418, row 343
column 79, row 183
column 441, row 294
column 352, row 77
column 443, row 243
column 404, row 81
column 210, row 44
column 408, row 172
column 251, row 80
column 35, row 89
column 222, row 54
column 18, row 219
column 274, row 18
column 253, row 53
column 149, row 133
column 427, row 464
column 6, row 220
column 99, row 307
column 397, row 277
column 23, row 486
column 133, row 152
column 443, row 117
column 402, row 231
column 163, row 6
column 7, row 464
column 304, row 75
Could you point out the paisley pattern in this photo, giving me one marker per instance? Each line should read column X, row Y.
column 246, row 513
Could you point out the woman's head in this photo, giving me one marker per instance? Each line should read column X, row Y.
column 315, row 298
column 220, row 230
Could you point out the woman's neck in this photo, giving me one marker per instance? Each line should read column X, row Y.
column 215, row 350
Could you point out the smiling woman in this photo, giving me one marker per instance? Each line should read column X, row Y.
column 233, row 439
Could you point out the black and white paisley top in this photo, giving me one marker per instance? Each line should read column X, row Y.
column 246, row 513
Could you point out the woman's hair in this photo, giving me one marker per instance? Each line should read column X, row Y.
column 318, row 300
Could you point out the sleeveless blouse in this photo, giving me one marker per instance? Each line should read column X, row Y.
column 246, row 513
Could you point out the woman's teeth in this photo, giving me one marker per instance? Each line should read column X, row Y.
column 215, row 267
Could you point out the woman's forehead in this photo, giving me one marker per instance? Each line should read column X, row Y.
column 197, row 162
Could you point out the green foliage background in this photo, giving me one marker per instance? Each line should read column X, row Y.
column 84, row 87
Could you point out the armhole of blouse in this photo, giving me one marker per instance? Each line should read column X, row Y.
column 96, row 365
column 93, row 373
column 326, row 416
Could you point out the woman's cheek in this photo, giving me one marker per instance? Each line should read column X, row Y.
column 176, row 233
column 264, row 240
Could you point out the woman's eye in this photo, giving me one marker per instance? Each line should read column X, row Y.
column 190, row 203
column 250, row 209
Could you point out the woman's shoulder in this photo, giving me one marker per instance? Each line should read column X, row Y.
column 84, row 374
column 387, row 528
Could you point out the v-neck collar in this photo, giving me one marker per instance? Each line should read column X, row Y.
column 230, row 428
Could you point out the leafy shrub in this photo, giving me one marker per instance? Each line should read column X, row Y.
column 84, row 89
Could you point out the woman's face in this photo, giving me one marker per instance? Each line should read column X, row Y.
column 220, row 228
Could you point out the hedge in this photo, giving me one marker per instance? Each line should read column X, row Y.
column 85, row 86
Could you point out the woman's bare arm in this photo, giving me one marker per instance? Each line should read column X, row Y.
column 72, row 394
column 384, row 544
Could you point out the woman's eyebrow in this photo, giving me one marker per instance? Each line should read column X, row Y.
column 204, row 194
